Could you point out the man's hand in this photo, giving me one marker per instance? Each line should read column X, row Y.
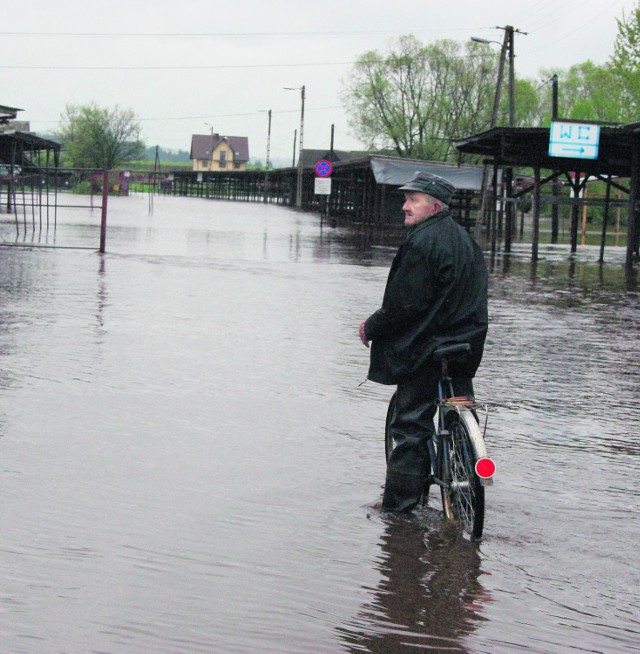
column 363, row 335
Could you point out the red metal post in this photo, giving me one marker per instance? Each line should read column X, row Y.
column 103, row 221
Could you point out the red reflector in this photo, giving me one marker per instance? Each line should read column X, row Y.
column 485, row 468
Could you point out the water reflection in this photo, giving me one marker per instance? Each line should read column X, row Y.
column 429, row 596
column 102, row 297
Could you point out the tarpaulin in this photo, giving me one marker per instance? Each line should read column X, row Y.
column 395, row 172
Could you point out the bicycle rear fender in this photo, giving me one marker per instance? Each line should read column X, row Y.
column 476, row 438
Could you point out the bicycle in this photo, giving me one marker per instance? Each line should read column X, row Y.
column 459, row 463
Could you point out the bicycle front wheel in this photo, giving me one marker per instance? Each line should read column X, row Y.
column 462, row 492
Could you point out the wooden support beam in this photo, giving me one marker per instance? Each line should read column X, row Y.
column 633, row 199
column 605, row 219
column 574, row 214
column 536, row 215
column 509, row 210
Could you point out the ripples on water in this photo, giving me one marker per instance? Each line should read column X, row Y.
column 187, row 458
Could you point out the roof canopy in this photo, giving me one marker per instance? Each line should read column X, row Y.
column 16, row 147
column 8, row 113
column 515, row 146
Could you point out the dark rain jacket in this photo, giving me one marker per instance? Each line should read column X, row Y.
column 436, row 294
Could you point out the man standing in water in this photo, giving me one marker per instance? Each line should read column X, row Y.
column 436, row 294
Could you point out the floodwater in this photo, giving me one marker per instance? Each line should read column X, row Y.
column 188, row 461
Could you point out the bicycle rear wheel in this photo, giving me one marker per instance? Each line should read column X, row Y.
column 462, row 494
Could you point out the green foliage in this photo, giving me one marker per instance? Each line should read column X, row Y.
column 587, row 91
column 417, row 98
column 166, row 155
column 149, row 165
column 95, row 137
column 625, row 63
column 528, row 104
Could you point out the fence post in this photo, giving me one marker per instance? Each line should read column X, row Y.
column 103, row 221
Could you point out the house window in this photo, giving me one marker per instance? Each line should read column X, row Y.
column 236, row 165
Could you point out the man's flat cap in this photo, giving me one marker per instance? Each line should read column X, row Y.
column 432, row 185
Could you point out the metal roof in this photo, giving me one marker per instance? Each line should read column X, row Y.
column 394, row 171
column 8, row 113
column 16, row 148
column 529, row 147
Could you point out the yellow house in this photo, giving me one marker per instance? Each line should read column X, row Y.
column 212, row 152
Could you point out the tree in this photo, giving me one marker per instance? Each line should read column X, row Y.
column 418, row 98
column 166, row 154
column 625, row 63
column 587, row 91
column 529, row 104
column 95, row 137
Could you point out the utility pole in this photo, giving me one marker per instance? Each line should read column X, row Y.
column 266, row 175
column 499, row 82
column 269, row 142
column 295, row 138
column 512, row 78
column 299, row 193
column 299, row 185
column 507, row 207
column 333, row 127
column 555, row 190
column 507, row 47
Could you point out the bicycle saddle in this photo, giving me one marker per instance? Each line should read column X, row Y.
column 456, row 351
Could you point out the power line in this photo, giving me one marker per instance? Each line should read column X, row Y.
column 230, row 35
column 314, row 64
column 205, row 67
column 577, row 29
column 216, row 116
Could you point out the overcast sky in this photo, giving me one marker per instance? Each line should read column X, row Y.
column 184, row 66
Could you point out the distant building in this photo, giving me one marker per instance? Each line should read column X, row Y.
column 7, row 114
column 213, row 152
column 20, row 149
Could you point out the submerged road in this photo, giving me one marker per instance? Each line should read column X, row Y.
column 188, row 462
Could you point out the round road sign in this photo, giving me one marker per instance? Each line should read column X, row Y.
column 324, row 168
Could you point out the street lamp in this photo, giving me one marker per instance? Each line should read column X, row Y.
column 210, row 164
column 299, row 186
column 496, row 98
column 477, row 39
column 507, row 46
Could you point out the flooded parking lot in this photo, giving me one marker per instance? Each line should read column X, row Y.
column 188, row 460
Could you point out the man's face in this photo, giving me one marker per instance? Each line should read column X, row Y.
column 418, row 207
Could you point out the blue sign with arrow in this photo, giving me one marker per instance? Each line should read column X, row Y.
column 574, row 140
